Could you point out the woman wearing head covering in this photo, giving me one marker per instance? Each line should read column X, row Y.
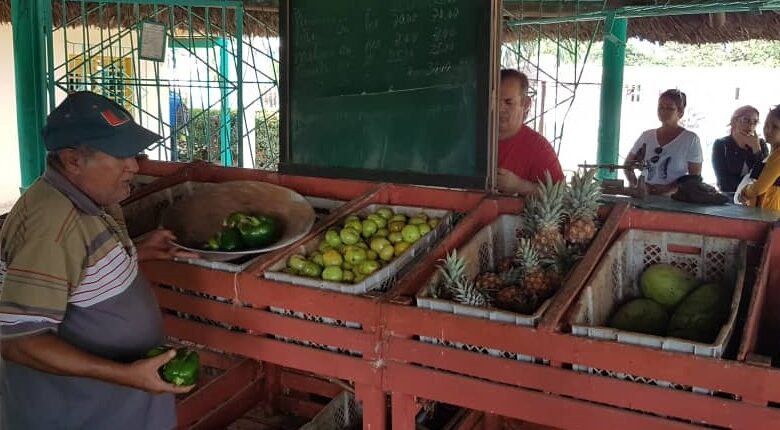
column 669, row 152
column 735, row 155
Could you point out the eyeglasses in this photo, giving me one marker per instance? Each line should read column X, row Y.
column 747, row 121
column 658, row 150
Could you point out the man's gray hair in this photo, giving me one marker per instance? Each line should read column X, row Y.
column 54, row 159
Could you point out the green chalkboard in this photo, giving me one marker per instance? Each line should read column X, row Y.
column 387, row 89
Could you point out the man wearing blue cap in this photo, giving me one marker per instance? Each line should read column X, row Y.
column 76, row 314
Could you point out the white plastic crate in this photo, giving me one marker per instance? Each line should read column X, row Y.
column 341, row 413
column 494, row 242
column 616, row 280
column 383, row 278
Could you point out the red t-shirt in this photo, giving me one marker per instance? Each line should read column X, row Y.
column 528, row 154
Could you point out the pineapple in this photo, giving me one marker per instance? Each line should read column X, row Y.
column 488, row 282
column 518, row 300
column 492, row 282
column 533, row 277
column 558, row 266
column 460, row 288
column 451, row 269
column 466, row 293
column 581, row 205
column 511, row 276
column 543, row 215
column 505, row 264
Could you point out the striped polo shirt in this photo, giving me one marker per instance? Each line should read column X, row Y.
column 69, row 267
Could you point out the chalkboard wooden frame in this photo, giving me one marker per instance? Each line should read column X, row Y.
column 481, row 137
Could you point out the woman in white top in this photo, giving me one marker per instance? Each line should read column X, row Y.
column 669, row 151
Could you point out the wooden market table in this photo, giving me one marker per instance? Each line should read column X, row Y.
column 381, row 354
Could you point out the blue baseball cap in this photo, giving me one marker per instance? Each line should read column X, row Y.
column 86, row 118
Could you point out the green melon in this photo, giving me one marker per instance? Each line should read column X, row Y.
column 641, row 316
column 701, row 315
column 666, row 284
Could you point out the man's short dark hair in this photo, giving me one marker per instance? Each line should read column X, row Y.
column 516, row 74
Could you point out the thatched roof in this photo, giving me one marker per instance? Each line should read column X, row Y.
column 695, row 29
column 261, row 18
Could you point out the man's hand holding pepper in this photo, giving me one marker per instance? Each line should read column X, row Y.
column 143, row 374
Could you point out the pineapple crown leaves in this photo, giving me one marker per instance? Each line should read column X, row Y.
column 581, row 199
column 545, row 207
column 511, row 276
column 466, row 293
column 456, row 285
column 526, row 256
column 565, row 257
column 453, row 268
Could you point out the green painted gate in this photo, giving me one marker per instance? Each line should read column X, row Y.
column 214, row 94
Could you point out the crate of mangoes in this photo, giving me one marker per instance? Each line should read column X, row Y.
column 367, row 250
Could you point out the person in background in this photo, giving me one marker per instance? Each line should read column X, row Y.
column 523, row 154
column 669, row 151
column 77, row 316
column 735, row 155
column 766, row 189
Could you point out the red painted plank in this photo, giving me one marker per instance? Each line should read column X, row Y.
column 331, row 304
column 277, row 352
column 299, row 407
column 309, row 384
column 230, row 411
column 518, row 403
column 721, row 375
column 612, row 391
column 216, row 392
column 404, row 409
column 750, row 332
column 374, row 403
column 429, row 197
column 755, row 231
column 260, row 292
column 191, row 278
column 159, row 168
column 260, row 321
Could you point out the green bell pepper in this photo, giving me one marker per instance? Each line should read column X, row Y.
column 182, row 369
column 230, row 240
column 213, row 243
column 259, row 231
column 235, row 219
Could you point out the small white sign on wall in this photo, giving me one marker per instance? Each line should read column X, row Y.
column 152, row 41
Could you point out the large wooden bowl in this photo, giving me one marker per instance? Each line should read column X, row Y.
column 199, row 216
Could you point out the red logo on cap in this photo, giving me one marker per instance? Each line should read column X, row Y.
column 113, row 119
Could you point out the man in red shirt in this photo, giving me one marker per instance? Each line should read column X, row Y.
column 523, row 154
